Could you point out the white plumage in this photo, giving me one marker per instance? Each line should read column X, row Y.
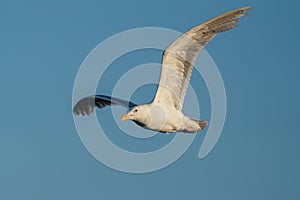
column 164, row 114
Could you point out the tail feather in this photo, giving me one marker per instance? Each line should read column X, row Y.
column 192, row 125
column 202, row 123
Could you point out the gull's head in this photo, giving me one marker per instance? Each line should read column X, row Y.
column 138, row 113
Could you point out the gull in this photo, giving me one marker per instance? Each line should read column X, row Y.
column 164, row 113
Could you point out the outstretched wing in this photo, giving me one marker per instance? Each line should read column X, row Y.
column 179, row 58
column 86, row 105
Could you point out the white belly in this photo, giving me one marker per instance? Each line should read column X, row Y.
column 164, row 120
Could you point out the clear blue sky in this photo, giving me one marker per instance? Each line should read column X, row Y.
column 42, row 45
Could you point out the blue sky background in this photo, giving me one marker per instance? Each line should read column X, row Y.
column 42, row 45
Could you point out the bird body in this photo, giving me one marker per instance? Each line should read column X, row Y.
column 164, row 114
column 157, row 117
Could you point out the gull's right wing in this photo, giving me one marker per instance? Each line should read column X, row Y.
column 86, row 105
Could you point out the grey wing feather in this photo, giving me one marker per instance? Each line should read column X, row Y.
column 179, row 58
column 86, row 105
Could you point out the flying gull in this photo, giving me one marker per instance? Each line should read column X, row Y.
column 164, row 113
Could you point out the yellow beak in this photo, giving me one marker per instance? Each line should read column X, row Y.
column 125, row 117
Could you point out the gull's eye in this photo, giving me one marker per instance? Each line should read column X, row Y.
column 135, row 110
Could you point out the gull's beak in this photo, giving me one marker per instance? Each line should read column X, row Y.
column 125, row 117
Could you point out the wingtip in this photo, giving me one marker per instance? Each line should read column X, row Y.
column 83, row 109
column 245, row 9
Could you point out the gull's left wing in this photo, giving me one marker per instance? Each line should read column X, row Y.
column 179, row 58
